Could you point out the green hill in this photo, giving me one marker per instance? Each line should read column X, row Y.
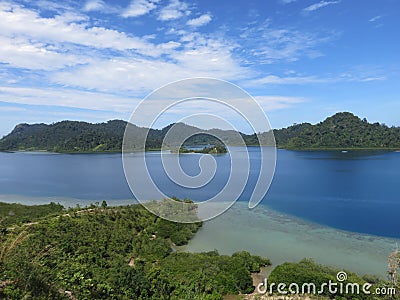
column 102, row 252
column 73, row 136
column 340, row 131
column 65, row 136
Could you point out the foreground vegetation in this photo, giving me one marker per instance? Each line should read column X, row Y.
column 17, row 214
column 341, row 131
column 307, row 271
column 100, row 252
column 105, row 252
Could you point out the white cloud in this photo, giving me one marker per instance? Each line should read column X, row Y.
column 319, row 5
column 72, row 51
column 64, row 97
column 100, row 6
column 269, row 45
column 174, row 10
column 12, row 109
column 270, row 103
column 67, row 28
column 139, row 8
column 362, row 74
column 57, row 103
column 19, row 53
column 355, row 74
column 367, row 79
column 139, row 76
column 94, row 5
column 170, row 45
column 55, row 6
column 376, row 18
column 273, row 79
column 200, row 21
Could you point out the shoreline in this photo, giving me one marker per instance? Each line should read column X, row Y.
column 69, row 202
column 269, row 233
column 159, row 149
column 283, row 238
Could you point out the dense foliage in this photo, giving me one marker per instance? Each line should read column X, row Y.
column 115, row 253
column 211, row 273
column 307, row 271
column 343, row 130
column 13, row 213
column 66, row 136
column 218, row 149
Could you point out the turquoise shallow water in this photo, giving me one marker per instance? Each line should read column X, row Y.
column 356, row 191
column 317, row 202
column 281, row 238
column 278, row 236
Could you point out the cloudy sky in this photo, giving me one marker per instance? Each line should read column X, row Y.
column 303, row 60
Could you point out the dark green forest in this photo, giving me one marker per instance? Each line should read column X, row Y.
column 125, row 252
column 307, row 271
column 66, row 136
column 343, row 130
column 340, row 131
column 17, row 214
column 219, row 149
column 102, row 252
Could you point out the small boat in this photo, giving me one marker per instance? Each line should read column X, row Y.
column 344, row 151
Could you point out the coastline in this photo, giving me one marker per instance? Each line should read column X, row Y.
column 67, row 202
column 159, row 149
column 284, row 238
column 268, row 233
column 340, row 149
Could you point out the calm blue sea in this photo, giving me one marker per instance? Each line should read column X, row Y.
column 356, row 191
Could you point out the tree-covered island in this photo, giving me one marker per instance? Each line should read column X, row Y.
column 340, row 131
column 217, row 149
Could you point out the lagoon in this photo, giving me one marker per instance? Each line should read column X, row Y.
column 328, row 199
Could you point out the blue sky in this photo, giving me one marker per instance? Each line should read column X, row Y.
column 303, row 60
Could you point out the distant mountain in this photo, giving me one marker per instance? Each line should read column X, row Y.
column 65, row 136
column 342, row 130
column 73, row 136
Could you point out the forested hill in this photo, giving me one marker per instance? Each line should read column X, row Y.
column 66, row 136
column 102, row 252
column 342, row 130
column 73, row 136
